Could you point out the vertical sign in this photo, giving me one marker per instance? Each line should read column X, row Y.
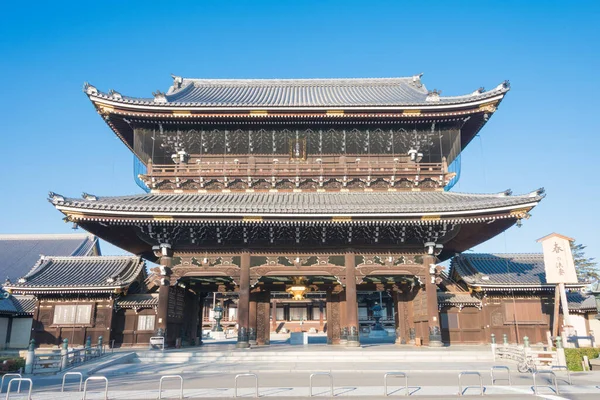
column 558, row 259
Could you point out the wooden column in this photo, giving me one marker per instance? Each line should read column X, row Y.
column 399, row 301
column 194, row 338
column 351, row 301
column 333, row 318
column 252, row 317
column 410, row 319
column 244, row 301
column 433, row 313
column 321, row 309
column 343, row 318
column 273, row 316
column 166, row 261
column 263, row 332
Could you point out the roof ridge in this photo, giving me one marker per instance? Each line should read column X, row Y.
column 44, row 236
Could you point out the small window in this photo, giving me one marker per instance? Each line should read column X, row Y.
column 72, row 314
column 145, row 322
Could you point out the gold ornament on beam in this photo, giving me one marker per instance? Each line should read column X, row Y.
column 298, row 288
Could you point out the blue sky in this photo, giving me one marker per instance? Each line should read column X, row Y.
column 544, row 133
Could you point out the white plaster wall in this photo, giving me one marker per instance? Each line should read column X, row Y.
column 578, row 322
column 3, row 332
column 20, row 333
column 594, row 327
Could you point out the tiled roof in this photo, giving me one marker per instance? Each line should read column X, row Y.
column 581, row 302
column 308, row 203
column 80, row 274
column 367, row 92
column 18, row 253
column 17, row 305
column 457, row 299
column 500, row 269
column 138, row 301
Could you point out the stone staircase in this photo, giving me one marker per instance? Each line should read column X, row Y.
column 314, row 356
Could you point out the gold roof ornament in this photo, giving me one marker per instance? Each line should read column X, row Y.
column 298, row 288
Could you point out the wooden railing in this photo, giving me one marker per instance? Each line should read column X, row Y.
column 292, row 169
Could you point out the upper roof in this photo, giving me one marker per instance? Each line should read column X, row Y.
column 18, row 253
column 500, row 270
column 580, row 302
column 297, row 203
column 80, row 274
column 300, row 93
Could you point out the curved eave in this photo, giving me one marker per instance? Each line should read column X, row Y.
column 149, row 107
column 427, row 217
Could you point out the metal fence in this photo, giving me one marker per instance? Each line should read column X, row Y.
column 55, row 362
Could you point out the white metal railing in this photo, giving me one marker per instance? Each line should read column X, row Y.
column 79, row 374
column 310, row 382
column 397, row 375
column 246, row 375
column 96, row 378
column 460, row 389
column 162, row 378
column 19, row 390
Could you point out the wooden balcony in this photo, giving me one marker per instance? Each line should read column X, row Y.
column 278, row 169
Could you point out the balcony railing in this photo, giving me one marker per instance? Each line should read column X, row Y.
column 292, row 170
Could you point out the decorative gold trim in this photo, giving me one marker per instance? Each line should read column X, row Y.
column 335, row 112
column 520, row 211
column 182, row 112
column 162, row 218
column 431, row 218
column 411, row 112
column 253, row 219
column 104, row 109
column 489, row 107
column 341, row 219
column 259, row 112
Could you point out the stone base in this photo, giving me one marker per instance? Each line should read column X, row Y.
column 217, row 335
column 242, row 345
column 352, row 343
column 298, row 338
column 378, row 334
column 435, row 343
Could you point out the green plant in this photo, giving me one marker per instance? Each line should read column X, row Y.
column 11, row 364
column 575, row 356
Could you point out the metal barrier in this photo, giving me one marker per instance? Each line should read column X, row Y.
column 156, row 341
column 500, row 367
column 96, row 378
column 79, row 374
column 460, row 390
column 560, row 368
column 19, row 380
column 171, row 377
column 535, row 390
column 242, row 375
column 322, row 374
column 7, row 375
column 399, row 375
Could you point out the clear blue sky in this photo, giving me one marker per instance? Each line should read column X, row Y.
column 545, row 133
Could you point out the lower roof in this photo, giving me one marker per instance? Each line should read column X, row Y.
column 80, row 274
column 501, row 270
column 302, row 204
column 19, row 252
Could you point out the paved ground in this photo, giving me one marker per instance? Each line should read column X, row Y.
column 360, row 376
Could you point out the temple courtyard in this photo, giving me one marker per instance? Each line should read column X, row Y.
column 283, row 371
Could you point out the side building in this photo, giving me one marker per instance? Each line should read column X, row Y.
column 18, row 253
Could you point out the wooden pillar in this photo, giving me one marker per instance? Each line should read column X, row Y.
column 351, row 300
column 166, row 261
column 195, row 339
column 409, row 297
column 244, row 301
column 343, row 318
column 273, row 316
column 433, row 313
column 333, row 318
column 321, row 315
column 252, row 317
column 263, row 333
column 399, row 301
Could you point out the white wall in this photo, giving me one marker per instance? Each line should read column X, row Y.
column 594, row 327
column 3, row 331
column 20, row 333
column 578, row 322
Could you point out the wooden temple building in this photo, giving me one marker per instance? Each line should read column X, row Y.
column 324, row 188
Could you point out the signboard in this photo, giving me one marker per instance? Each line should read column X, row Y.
column 157, row 343
column 558, row 259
